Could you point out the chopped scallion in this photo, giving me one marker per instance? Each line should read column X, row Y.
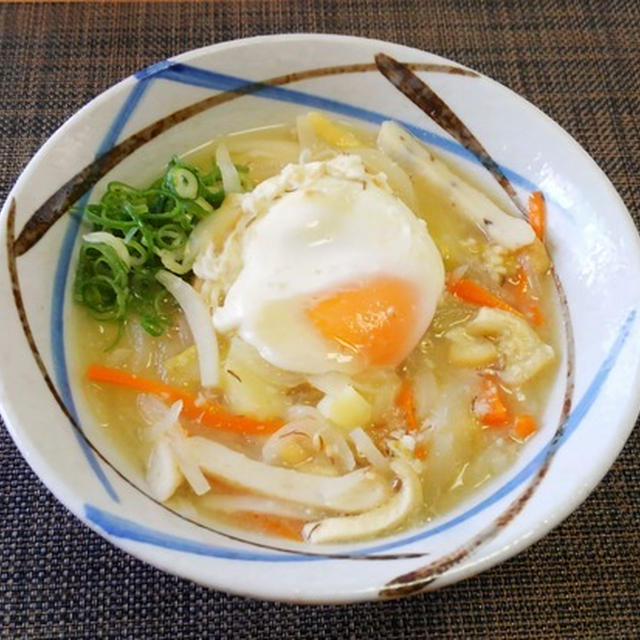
column 136, row 232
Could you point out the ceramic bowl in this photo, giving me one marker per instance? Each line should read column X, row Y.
column 177, row 104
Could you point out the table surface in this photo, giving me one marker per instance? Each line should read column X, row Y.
column 580, row 63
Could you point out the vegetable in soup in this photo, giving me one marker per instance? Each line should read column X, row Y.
column 314, row 332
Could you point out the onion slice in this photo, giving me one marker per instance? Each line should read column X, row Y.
column 151, row 408
column 163, row 472
column 189, row 467
column 306, row 138
column 230, row 177
column 377, row 161
column 214, row 229
column 117, row 244
column 322, row 437
column 368, row 450
column 200, row 324
column 170, row 418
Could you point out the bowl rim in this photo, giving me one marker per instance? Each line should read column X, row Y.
column 66, row 497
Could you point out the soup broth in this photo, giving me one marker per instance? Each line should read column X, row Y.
column 455, row 412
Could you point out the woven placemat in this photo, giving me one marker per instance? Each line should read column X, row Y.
column 580, row 63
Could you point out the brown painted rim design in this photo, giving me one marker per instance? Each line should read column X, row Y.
column 403, row 78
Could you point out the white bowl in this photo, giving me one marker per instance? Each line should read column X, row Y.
column 593, row 241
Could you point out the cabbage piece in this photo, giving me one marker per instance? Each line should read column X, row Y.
column 253, row 386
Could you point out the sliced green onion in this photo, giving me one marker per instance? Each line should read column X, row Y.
column 170, row 262
column 138, row 255
column 104, row 217
column 214, row 195
column 183, row 182
column 201, row 202
column 117, row 244
column 135, row 232
column 104, row 298
column 161, row 205
column 170, row 236
column 122, row 188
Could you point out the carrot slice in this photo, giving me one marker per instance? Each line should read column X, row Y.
column 210, row 414
column 524, row 298
column 406, row 402
column 524, row 426
column 489, row 406
column 420, row 452
column 538, row 214
column 279, row 526
column 472, row 292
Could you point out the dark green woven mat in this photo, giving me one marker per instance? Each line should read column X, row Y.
column 579, row 62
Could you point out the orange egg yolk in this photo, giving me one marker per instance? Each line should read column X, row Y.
column 375, row 319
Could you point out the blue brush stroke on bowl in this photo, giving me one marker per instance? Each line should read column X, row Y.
column 60, row 285
column 126, row 529
column 186, row 74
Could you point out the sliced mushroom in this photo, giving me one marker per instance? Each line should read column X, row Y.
column 523, row 352
column 500, row 227
column 376, row 521
column 351, row 493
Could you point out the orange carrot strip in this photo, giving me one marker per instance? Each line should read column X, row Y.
column 209, row 414
column 524, row 298
column 524, row 426
column 420, row 452
column 280, row 526
column 489, row 406
column 405, row 401
column 222, row 488
column 538, row 214
column 471, row 291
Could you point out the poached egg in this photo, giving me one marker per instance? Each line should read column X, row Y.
column 336, row 273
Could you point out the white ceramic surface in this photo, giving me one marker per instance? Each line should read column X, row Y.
column 593, row 240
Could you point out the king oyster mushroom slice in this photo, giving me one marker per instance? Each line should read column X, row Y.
column 376, row 521
column 500, row 227
column 523, row 353
column 353, row 492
